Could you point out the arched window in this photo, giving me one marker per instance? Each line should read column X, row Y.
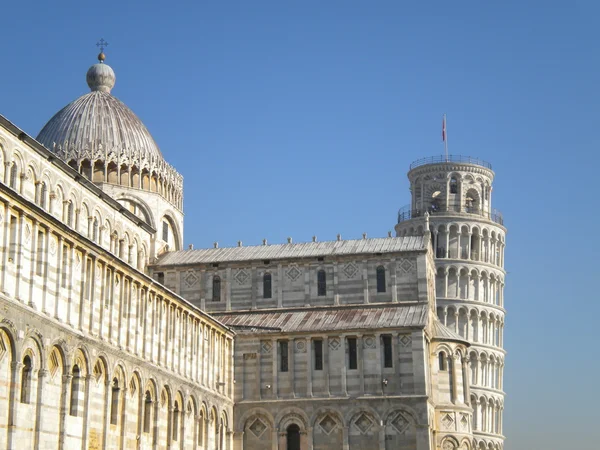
column 70, row 214
column 175, row 421
column 147, row 411
column 42, row 194
column 381, row 279
column 95, row 230
column 442, row 361
column 201, row 424
column 321, row 283
column 75, row 391
column 216, row 289
column 293, row 437
column 13, row 175
column 26, row 380
column 267, row 283
column 114, row 403
column 453, row 185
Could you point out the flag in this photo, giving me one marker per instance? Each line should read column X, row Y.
column 444, row 128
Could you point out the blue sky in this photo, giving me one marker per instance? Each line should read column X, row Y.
column 300, row 118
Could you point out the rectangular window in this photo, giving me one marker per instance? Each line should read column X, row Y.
column 388, row 360
column 39, row 266
column 160, row 277
column 283, row 356
column 165, row 234
column 318, row 354
column 321, row 283
column 12, row 245
column 352, row 354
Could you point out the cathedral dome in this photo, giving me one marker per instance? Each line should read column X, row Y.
column 97, row 124
column 101, row 138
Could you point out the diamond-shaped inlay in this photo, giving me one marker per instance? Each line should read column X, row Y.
column 447, row 421
column 53, row 246
column 448, row 445
column 293, row 273
column 369, row 342
column 405, row 340
column 301, row 346
column 327, row 424
column 350, row 270
column 266, row 347
column 334, row 343
column 363, row 423
column 400, row 423
column 241, row 276
column 190, row 278
column 406, row 265
column 27, row 233
column 464, row 422
column 257, row 427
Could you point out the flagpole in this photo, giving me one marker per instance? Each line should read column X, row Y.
column 445, row 139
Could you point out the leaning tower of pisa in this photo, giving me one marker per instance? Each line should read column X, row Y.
column 468, row 238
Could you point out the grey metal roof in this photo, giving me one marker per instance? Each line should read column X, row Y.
column 327, row 319
column 443, row 333
column 300, row 250
column 98, row 123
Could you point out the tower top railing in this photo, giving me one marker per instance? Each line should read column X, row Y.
column 406, row 213
column 450, row 159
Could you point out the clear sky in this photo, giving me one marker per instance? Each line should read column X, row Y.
column 294, row 118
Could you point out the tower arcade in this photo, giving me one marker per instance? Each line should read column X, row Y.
column 452, row 196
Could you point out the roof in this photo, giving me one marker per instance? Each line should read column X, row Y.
column 443, row 333
column 300, row 250
column 355, row 317
column 97, row 122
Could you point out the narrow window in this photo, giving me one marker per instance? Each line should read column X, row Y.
column 70, row 214
column 147, row 411
column 318, row 354
column 26, row 380
column 165, row 232
column 160, row 277
column 95, row 230
column 114, row 404
column 453, row 186
column 321, row 283
column 12, row 245
column 442, row 361
column 283, row 356
column 13, row 176
column 267, row 283
column 352, row 354
column 201, row 429
column 175, row 421
column 65, row 265
column 39, row 266
column 388, row 360
column 75, row 391
column 381, row 279
column 216, row 289
column 43, row 195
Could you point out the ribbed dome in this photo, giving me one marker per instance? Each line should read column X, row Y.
column 98, row 123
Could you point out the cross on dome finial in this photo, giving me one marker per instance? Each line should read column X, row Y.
column 102, row 44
